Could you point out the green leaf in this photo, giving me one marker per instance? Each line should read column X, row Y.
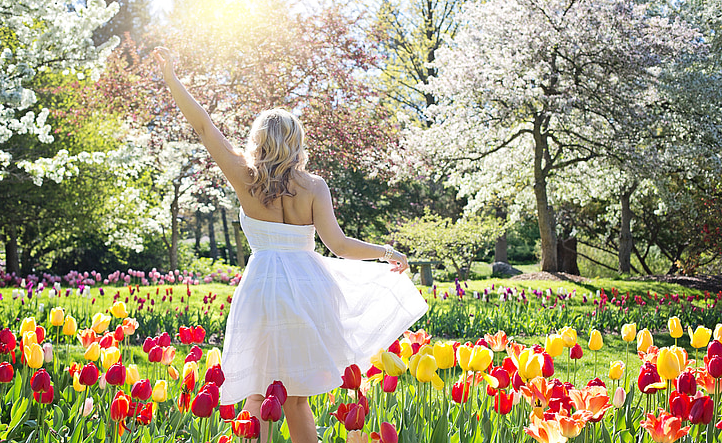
column 625, row 436
column 605, row 434
column 17, row 413
column 441, row 430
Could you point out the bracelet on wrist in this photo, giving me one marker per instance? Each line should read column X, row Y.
column 388, row 252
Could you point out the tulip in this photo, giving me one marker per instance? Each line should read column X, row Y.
column 45, row 397
column 79, row 387
column 70, row 326
column 6, row 372
column 149, row 343
column 668, row 364
column 675, row 327
column 57, row 316
column 185, row 334
column 131, row 374
column 190, row 374
column 119, row 407
column 199, row 334
column 554, row 345
column 354, row 419
column 214, row 392
column 92, row 353
column 119, row 310
column 100, row 322
column 444, row 355
column 463, row 355
column 47, row 352
column 619, row 397
column 679, row 405
column 213, row 357
column 164, row 340
column 502, row 377
column 426, row 368
column 576, row 352
column 173, row 373
column 278, row 390
column 701, row 411
column 118, row 334
column 644, row 340
column 496, row 342
column 87, row 406
column 115, row 375
column 571, row 426
column 160, row 391
column 40, row 381
column 616, row 370
column 228, row 412
column 686, row 383
column 155, row 355
column 629, row 332
column 87, row 337
column 714, row 349
column 89, row 374
column 595, row 340
column 390, row 383
column 393, row 365
column 195, row 354
column 34, row 355
column 29, row 338
column 503, row 402
column 271, row 409
column 529, row 364
column 648, row 376
column 351, row 377
column 666, row 428
column 388, row 433
column 215, row 374
column 129, row 326
column 406, row 350
column 107, row 341
column 168, row 355
column 28, row 325
column 714, row 367
column 699, row 337
column 109, row 357
column 460, row 391
column 569, row 336
column 141, row 390
column 547, row 365
column 718, row 332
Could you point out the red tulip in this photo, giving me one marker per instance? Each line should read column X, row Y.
column 254, row 428
column 388, row 433
column 40, row 381
column 148, row 344
column 363, row 401
column 246, row 426
column 185, row 334
column 202, row 405
column 44, row 397
column 701, row 411
column 686, row 383
column 163, row 340
column 502, row 376
column 714, row 349
column 195, row 354
column 596, row 382
column 576, row 352
column 271, row 408
column 516, row 381
column 225, row 439
column 276, row 388
column 351, row 377
column 458, row 389
column 119, row 407
column 395, row 348
column 679, row 405
column 89, row 374
column 503, row 402
column 341, row 412
column 215, row 374
column 199, row 334
column 355, row 418
column 648, row 375
column 155, row 355
column 119, row 335
column 6, row 372
column 141, row 390
column 107, row 341
column 7, row 342
column 40, row 333
column 548, row 366
column 714, row 367
column 184, row 402
column 228, row 412
column 115, row 376
column 373, row 370
column 213, row 390
column 390, row 383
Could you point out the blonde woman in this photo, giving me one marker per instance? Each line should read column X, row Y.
column 296, row 316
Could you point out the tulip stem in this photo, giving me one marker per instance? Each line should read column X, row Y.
column 626, row 366
column 270, row 431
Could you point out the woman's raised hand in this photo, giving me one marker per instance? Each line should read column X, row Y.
column 399, row 262
column 165, row 61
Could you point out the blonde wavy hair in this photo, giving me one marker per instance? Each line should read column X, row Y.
column 275, row 151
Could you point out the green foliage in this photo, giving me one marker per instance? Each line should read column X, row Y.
column 456, row 244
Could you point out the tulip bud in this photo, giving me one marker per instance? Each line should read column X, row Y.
column 70, row 326
column 79, row 387
column 40, row 381
column 115, row 375
column 131, row 374
column 576, row 352
column 714, row 349
column 354, row 419
column 460, row 391
column 119, row 310
column 160, row 391
column 271, row 409
column 629, row 332
column 57, row 316
column 47, row 352
column 228, row 412
column 714, row 367
column 88, row 406
column 92, row 353
column 141, row 390
column 6, row 372
column 392, row 363
column 675, row 327
column 34, row 355
column 390, row 383
column 45, row 397
column 619, row 397
column 155, row 355
column 668, row 364
column 213, row 357
column 616, row 370
column 595, row 340
column 148, row 344
column 644, row 340
column 547, row 365
column 351, row 377
column 481, row 358
column 502, row 377
column 173, row 373
column 168, row 355
column 118, row 334
column 569, row 337
column 701, row 411
column 388, row 433
column 89, row 374
column 426, row 368
column 109, row 357
column 278, row 390
column 215, row 374
column 686, row 383
column 554, row 345
column 444, row 355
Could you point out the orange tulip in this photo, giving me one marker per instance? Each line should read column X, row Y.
column 572, row 425
column 87, row 336
column 545, row 431
column 593, row 399
column 497, row 342
column 129, row 325
column 537, row 392
column 666, row 428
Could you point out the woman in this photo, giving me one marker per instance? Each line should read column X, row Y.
column 297, row 316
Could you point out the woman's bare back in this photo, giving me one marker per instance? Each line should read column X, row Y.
column 295, row 210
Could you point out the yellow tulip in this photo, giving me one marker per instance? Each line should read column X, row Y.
column 376, row 360
column 718, row 332
column 393, row 365
column 675, row 327
column 426, row 369
column 34, row 356
column 554, row 345
column 463, row 355
column 644, row 340
column 406, row 350
column 413, row 364
column 616, row 370
column 30, row 337
column 131, row 374
column 699, row 337
column 160, row 391
column 188, row 367
column 529, row 364
column 569, row 336
column 681, row 355
column 57, row 316
column 109, row 357
column 213, row 357
column 668, row 364
column 76, row 383
column 437, row 382
column 426, row 350
column 481, row 358
column 100, row 322
column 444, row 355
column 629, row 332
column 119, row 310
column 70, row 327
column 28, row 324
column 93, row 352
column 595, row 340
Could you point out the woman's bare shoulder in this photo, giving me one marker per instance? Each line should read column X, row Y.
column 312, row 182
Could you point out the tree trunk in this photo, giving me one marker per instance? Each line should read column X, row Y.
column 227, row 237
column 198, row 231
column 567, row 256
column 212, row 235
column 174, row 209
column 12, row 259
column 545, row 215
column 626, row 242
column 500, row 248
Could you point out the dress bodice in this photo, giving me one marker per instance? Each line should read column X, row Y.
column 265, row 235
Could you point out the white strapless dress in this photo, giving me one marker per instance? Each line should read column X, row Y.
column 303, row 318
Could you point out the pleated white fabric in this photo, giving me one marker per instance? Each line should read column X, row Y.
column 302, row 318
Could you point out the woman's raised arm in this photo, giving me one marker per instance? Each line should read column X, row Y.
column 231, row 162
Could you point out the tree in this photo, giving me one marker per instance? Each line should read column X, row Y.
column 132, row 18
column 552, row 84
